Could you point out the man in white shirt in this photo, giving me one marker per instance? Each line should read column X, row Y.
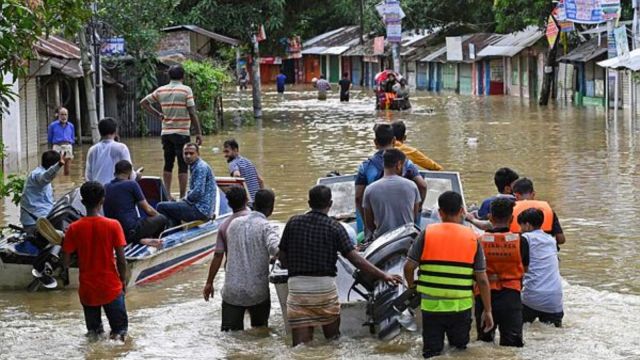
column 103, row 156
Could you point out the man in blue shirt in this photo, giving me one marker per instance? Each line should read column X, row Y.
column 372, row 169
column 61, row 137
column 124, row 199
column 503, row 179
column 240, row 166
column 37, row 196
column 280, row 80
column 200, row 200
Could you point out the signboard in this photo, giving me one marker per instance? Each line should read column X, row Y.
column 271, row 60
column 622, row 44
column 112, row 47
column 380, row 9
column 583, row 11
column 552, row 31
column 591, row 11
column 378, row 45
column 561, row 17
column 610, row 9
column 472, row 51
column 612, row 51
column 393, row 20
column 454, row 48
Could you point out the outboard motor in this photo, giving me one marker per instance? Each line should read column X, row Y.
column 48, row 264
column 386, row 306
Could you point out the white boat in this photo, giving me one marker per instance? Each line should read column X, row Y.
column 369, row 306
column 183, row 245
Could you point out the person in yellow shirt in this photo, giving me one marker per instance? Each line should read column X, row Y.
column 413, row 154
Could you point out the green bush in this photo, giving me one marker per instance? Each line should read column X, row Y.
column 13, row 185
column 207, row 82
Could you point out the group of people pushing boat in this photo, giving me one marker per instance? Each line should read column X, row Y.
column 510, row 273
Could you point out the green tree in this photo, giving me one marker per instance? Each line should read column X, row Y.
column 22, row 22
column 514, row 15
column 207, row 82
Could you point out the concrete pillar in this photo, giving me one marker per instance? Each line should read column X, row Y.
column 11, row 129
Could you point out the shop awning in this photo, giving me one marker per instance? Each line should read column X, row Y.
column 630, row 61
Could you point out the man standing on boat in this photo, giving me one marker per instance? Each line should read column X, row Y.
column 177, row 110
column 103, row 156
column 507, row 257
column 392, row 201
column 252, row 241
column 450, row 258
column 309, row 250
column 372, row 170
column 239, row 166
column 199, row 202
column 124, row 198
column 413, row 154
column 37, row 197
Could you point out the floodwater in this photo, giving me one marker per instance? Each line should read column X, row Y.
column 582, row 164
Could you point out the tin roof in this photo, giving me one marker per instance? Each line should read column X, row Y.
column 315, row 50
column 511, row 44
column 334, row 42
column 586, row 51
column 204, row 32
column 630, row 61
column 479, row 40
column 335, row 50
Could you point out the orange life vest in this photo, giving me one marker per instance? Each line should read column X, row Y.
column 523, row 205
column 445, row 277
column 504, row 263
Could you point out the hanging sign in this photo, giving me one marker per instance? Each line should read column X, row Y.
column 583, row 11
column 622, row 44
column 378, row 45
column 393, row 20
column 552, row 31
column 610, row 9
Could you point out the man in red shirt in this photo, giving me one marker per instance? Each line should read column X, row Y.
column 94, row 239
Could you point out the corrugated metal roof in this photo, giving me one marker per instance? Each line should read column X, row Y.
column 201, row 31
column 335, row 50
column 479, row 40
column 586, row 51
column 631, row 61
column 438, row 55
column 316, row 50
column 344, row 36
column 58, row 47
column 511, row 44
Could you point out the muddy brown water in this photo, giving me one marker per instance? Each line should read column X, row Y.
column 585, row 166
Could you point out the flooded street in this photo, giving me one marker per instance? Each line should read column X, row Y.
column 584, row 166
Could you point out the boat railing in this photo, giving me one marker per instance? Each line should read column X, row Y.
column 184, row 226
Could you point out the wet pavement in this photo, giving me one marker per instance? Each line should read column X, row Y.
column 582, row 164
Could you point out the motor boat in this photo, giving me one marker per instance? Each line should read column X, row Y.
column 31, row 262
column 369, row 306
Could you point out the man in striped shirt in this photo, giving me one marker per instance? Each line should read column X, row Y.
column 240, row 166
column 174, row 105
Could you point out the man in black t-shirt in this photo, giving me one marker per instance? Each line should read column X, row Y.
column 309, row 250
column 345, row 86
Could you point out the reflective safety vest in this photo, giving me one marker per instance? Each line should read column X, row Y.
column 523, row 205
column 504, row 263
column 445, row 277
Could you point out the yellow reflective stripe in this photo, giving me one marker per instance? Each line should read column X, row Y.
column 445, row 280
column 447, row 269
column 446, row 305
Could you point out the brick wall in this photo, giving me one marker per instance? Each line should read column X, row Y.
column 175, row 41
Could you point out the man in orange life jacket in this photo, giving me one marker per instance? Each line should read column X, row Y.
column 525, row 199
column 507, row 256
column 450, row 257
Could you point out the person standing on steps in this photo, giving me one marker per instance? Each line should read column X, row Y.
column 175, row 106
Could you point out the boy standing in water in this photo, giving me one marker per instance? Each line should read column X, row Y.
column 542, row 285
column 94, row 239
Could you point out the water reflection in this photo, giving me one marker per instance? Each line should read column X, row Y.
column 582, row 164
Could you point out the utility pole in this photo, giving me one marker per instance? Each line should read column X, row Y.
column 255, row 76
column 89, row 86
column 362, row 21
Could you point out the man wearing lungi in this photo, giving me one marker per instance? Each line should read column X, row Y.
column 309, row 250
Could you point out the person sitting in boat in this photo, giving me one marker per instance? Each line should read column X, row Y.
column 124, row 199
column 392, row 201
column 372, row 170
column 323, row 86
column 542, row 284
column 252, row 241
column 389, row 83
column 507, row 256
column 239, row 166
column 413, row 154
column 200, row 200
column 37, row 196
column 309, row 251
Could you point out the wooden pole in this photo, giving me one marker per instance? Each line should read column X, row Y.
column 76, row 91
